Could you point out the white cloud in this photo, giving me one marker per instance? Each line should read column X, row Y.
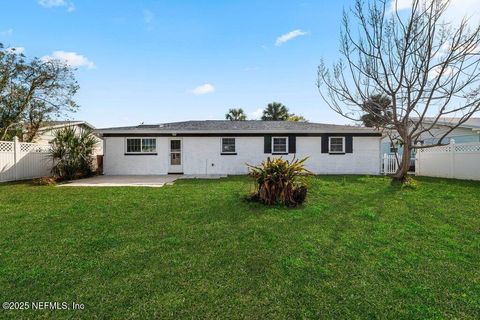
column 289, row 36
column 204, row 89
column 400, row 5
column 72, row 59
column 256, row 115
column 437, row 71
column 16, row 50
column 455, row 11
column 57, row 3
column 6, row 33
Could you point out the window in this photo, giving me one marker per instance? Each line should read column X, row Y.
column 175, row 145
column 134, row 145
column 228, row 145
column 176, row 152
column 336, row 144
column 149, row 145
column 393, row 147
column 279, row 145
column 141, row 145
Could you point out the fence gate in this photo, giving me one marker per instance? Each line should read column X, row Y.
column 20, row 160
column 390, row 164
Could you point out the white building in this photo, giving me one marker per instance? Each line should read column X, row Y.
column 468, row 132
column 225, row 147
column 46, row 133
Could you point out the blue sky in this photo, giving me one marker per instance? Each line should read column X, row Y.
column 161, row 61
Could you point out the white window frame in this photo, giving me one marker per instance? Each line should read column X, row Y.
column 141, row 145
column 330, row 144
column 286, row 145
column 228, row 152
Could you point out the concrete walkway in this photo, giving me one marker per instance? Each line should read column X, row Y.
column 134, row 181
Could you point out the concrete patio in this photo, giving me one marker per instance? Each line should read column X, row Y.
column 134, row 181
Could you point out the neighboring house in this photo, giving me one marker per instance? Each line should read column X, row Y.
column 466, row 133
column 46, row 132
column 225, row 147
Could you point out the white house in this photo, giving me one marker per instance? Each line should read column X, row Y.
column 467, row 132
column 46, row 132
column 224, row 147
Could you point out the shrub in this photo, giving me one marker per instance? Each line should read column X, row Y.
column 44, row 181
column 280, row 181
column 410, row 183
column 72, row 153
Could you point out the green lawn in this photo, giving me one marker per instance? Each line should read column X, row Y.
column 358, row 248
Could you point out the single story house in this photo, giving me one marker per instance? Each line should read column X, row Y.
column 467, row 132
column 224, row 147
column 46, row 133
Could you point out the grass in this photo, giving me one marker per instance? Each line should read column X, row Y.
column 359, row 248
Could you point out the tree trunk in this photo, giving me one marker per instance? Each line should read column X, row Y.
column 402, row 170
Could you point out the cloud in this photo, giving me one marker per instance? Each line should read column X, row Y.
column 6, row 33
column 256, row 115
column 400, row 5
column 16, row 50
column 204, row 89
column 437, row 72
column 455, row 11
column 289, row 36
column 72, row 59
column 57, row 3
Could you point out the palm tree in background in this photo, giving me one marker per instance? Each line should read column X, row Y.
column 275, row 111
column 236, row 115
column 297, row 118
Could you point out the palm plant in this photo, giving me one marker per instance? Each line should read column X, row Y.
column 236, row 115
column 296, row 118
column 280, row 181
column 275, row 111
column 72, row 153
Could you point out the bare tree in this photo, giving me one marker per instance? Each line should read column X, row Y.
column 426, row 66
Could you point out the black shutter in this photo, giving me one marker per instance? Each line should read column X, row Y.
column 348, row 144
column 324, row 143
column 267, row 144
column 292, row 144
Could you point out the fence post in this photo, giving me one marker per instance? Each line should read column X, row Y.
column 16, row 155
column 385, row 164
column 452, row 158
column 417, row 160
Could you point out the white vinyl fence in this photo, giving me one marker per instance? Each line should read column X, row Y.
column 390, row 164
column 456, row 161
column 20, row 160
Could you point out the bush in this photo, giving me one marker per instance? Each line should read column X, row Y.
column 72, row 153
column 280, row 181
column 44, row 181
column 410, row 183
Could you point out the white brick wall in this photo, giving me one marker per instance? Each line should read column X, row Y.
column 201, row 155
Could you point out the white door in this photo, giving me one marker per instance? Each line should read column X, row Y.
column 175, row 160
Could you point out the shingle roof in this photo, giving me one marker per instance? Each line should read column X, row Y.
column 470, row 123
column 229, row 126
column 47, row 125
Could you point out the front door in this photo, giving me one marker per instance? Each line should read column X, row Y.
column 175, row 160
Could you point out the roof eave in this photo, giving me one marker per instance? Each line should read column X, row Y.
column 180, row 132
column 74, row 123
